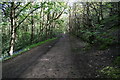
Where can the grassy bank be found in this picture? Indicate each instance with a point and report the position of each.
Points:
(28, 48)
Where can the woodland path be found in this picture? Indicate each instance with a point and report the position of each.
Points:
(61, 58)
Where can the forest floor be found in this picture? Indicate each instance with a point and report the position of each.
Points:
(63, 58)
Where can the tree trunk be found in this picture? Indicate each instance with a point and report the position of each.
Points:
(118, 8)
(69, 29)
(41, 24)
(32, 28)
(101, 10)
(111, 9)
(13, 28)
(47, 26)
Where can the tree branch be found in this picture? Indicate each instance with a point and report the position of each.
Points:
(27, 16)
(17, 5)
(93, 7)
(59, 15)
(22, 9)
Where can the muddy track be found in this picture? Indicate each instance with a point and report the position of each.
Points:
(13, 68)
(63, 58)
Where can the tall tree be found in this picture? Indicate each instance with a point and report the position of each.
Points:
(13, 28)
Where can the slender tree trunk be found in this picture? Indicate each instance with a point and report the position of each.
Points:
(13, 28)
(43, 22)
(47, 26)
(32, 28)
(119, 9)
(89, 20)
(75, 18)
(41, 25)
(83, 17)
(101, 10)
(32, 25)
(70, 21)
(111, 9)
(98, 18)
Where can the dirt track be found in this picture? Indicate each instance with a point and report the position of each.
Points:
(57, 59)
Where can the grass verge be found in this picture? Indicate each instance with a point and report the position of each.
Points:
(28, 48)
